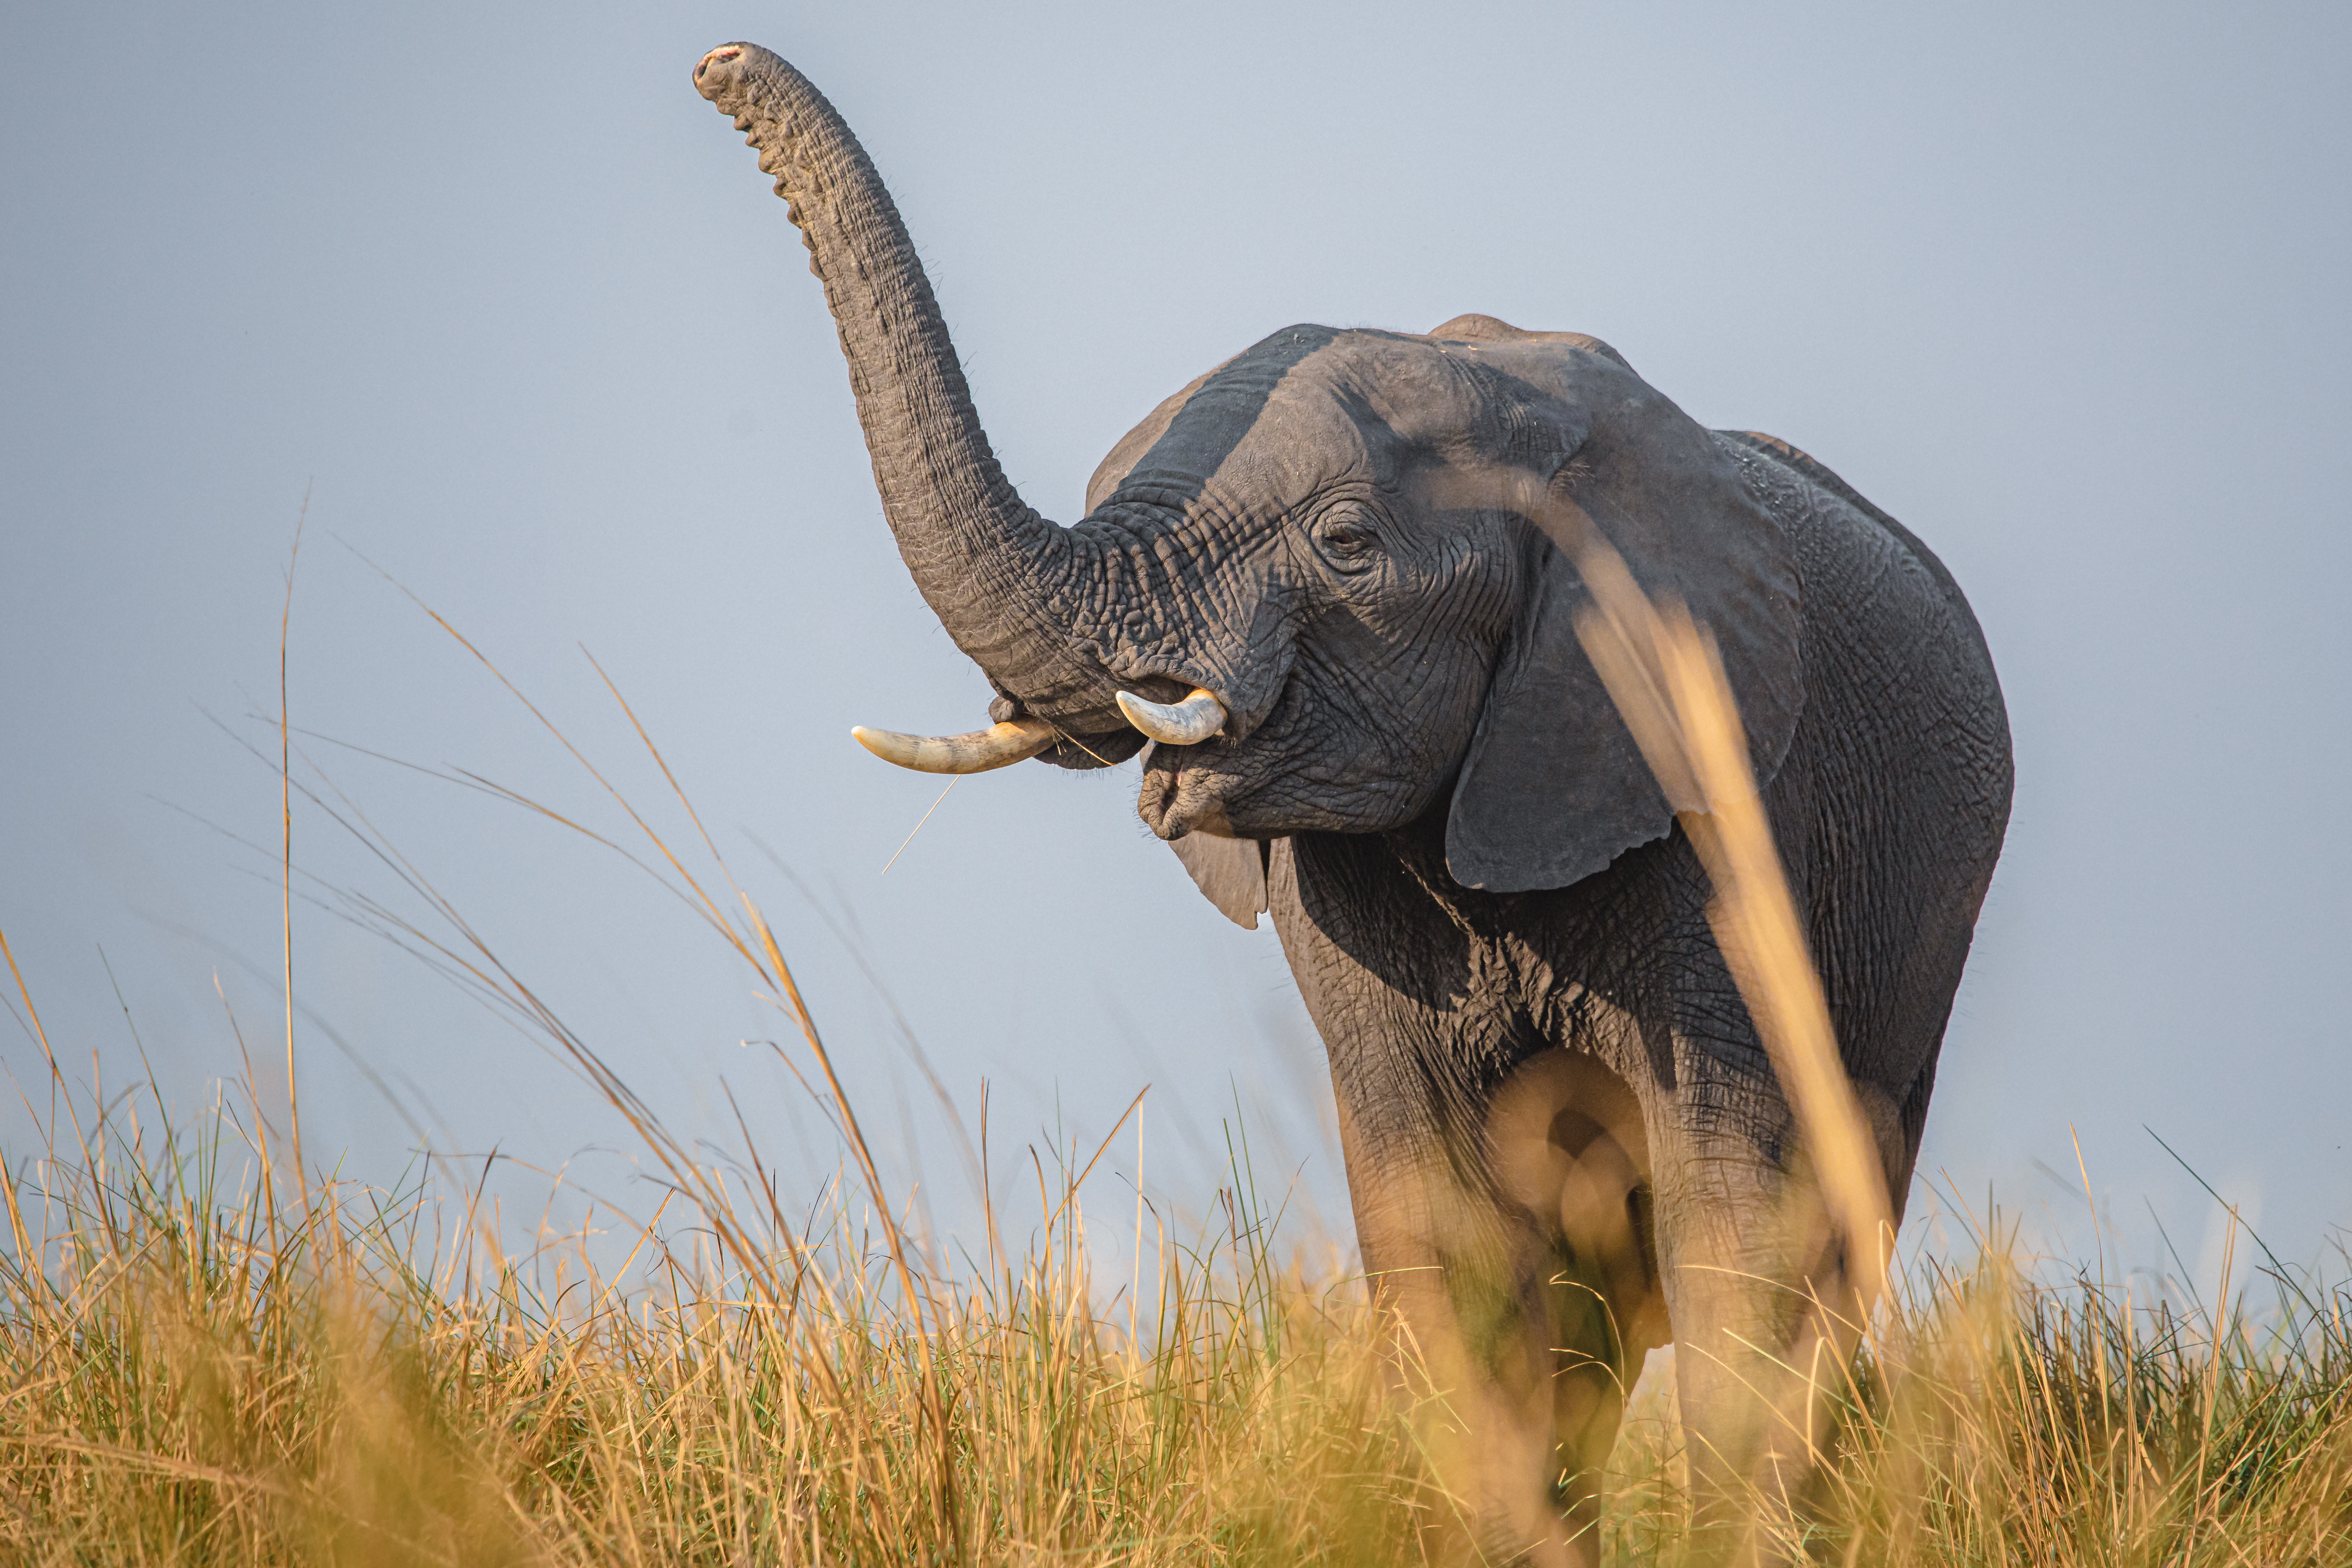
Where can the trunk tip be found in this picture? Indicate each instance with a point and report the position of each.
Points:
(724, 67)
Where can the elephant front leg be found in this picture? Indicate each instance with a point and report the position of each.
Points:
(1571, 1167)
(1766, 1318)
(1523, 1276)
(1519, 1308)
(1474, 1340)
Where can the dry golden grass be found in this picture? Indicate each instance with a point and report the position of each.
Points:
(189, 1374)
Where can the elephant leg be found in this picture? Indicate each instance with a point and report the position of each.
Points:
(1498, 1195)
(1411, 1025)
(1571, 1157)
(1462, 1278)
(1766, 1318)
(1466, 1282)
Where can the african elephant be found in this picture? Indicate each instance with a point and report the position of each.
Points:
(1315, 583)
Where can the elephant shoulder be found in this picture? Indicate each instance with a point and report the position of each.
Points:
(1897, 635)
(1807, 470)
(1807, 496)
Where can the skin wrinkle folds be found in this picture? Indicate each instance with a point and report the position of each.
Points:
(1370, 548)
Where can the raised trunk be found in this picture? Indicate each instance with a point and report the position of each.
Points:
(1002, 579)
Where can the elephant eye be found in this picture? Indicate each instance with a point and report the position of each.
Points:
(1348, 542)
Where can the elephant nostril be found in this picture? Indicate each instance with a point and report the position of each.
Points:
(724, 53)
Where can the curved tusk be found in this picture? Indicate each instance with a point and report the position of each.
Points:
(999, 745)
(1185, 724)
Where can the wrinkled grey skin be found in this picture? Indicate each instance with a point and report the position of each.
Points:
(1563, 1140)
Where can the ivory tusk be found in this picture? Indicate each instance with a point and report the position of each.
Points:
(999, 745)
(1185, 724)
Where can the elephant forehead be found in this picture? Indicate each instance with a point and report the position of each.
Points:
(1301, 442)
(1255, 445)
(1306, 407)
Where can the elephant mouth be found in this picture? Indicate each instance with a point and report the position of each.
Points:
(1177, 799)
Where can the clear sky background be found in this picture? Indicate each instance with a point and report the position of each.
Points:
(514, 307)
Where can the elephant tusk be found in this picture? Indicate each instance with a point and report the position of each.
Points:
(999, 745)
(1184, 723)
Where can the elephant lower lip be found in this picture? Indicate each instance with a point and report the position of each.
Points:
(1173, 803)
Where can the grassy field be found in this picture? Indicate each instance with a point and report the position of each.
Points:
(198, 1365)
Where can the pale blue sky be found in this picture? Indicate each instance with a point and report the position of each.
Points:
(2065, 292)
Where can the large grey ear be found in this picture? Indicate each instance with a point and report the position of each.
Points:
(1553, 788)
(1231, 872)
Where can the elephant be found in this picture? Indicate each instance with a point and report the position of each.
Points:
(1321, 592)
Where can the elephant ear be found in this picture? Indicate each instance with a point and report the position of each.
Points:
(1229, 872)
(1553, 788)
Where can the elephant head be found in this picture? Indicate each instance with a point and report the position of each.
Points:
(1331, 580)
